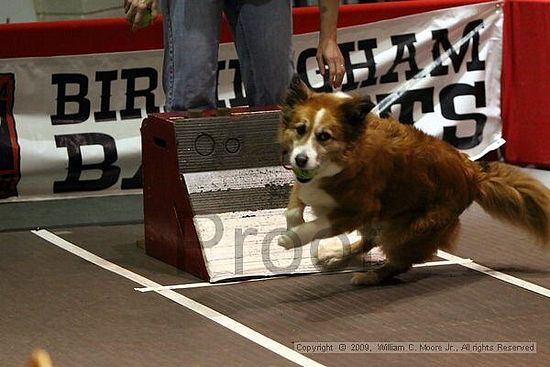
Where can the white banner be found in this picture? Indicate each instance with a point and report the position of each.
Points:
(70, 124)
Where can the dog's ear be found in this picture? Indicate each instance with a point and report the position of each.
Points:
(355, 110)
(297, 92)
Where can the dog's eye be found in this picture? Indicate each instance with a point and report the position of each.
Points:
(323, 136)
(301, 129)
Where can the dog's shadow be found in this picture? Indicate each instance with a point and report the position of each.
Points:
(329, 296)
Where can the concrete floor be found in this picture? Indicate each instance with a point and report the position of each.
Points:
(89, 314)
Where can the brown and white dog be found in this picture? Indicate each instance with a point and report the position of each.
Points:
(402, 189)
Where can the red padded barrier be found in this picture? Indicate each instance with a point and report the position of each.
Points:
(115, 35)
(526, 62)
(525, 80)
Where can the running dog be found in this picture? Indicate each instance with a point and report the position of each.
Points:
(402, 189)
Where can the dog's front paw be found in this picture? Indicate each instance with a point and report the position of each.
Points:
(294, 217)
(288, 240)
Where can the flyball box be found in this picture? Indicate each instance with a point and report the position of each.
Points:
(215, 193)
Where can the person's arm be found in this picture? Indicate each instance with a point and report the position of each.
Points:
(328, 53)
(135, 10)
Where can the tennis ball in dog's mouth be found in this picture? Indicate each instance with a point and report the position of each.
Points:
(146, 19)
(304, 175)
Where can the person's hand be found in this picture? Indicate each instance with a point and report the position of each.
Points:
(329, 56)
(328, 53)
(136, 10)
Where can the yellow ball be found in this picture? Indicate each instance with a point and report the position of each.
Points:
(304, 174)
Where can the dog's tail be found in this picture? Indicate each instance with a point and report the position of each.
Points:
(507, 193)
(39, 358)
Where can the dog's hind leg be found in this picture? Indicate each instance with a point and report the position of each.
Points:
(338, 255)
(373, 277)
(404, 248)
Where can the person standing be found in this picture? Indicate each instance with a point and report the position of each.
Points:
(262, 32)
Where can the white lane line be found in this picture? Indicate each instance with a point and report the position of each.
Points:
(497, 274)
(206, 284)
(202, 284)
(188, 303)
(443, 262)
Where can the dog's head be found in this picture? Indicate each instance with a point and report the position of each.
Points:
(318, 129)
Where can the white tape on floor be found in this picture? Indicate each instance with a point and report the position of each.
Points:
(497, 274)
(206, 284)
(188, 303)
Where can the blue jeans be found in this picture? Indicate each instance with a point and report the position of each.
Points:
(262, 30)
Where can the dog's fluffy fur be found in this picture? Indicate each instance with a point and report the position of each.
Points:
(402, 189)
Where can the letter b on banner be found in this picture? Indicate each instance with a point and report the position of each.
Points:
(109, 172)
(78, 99)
